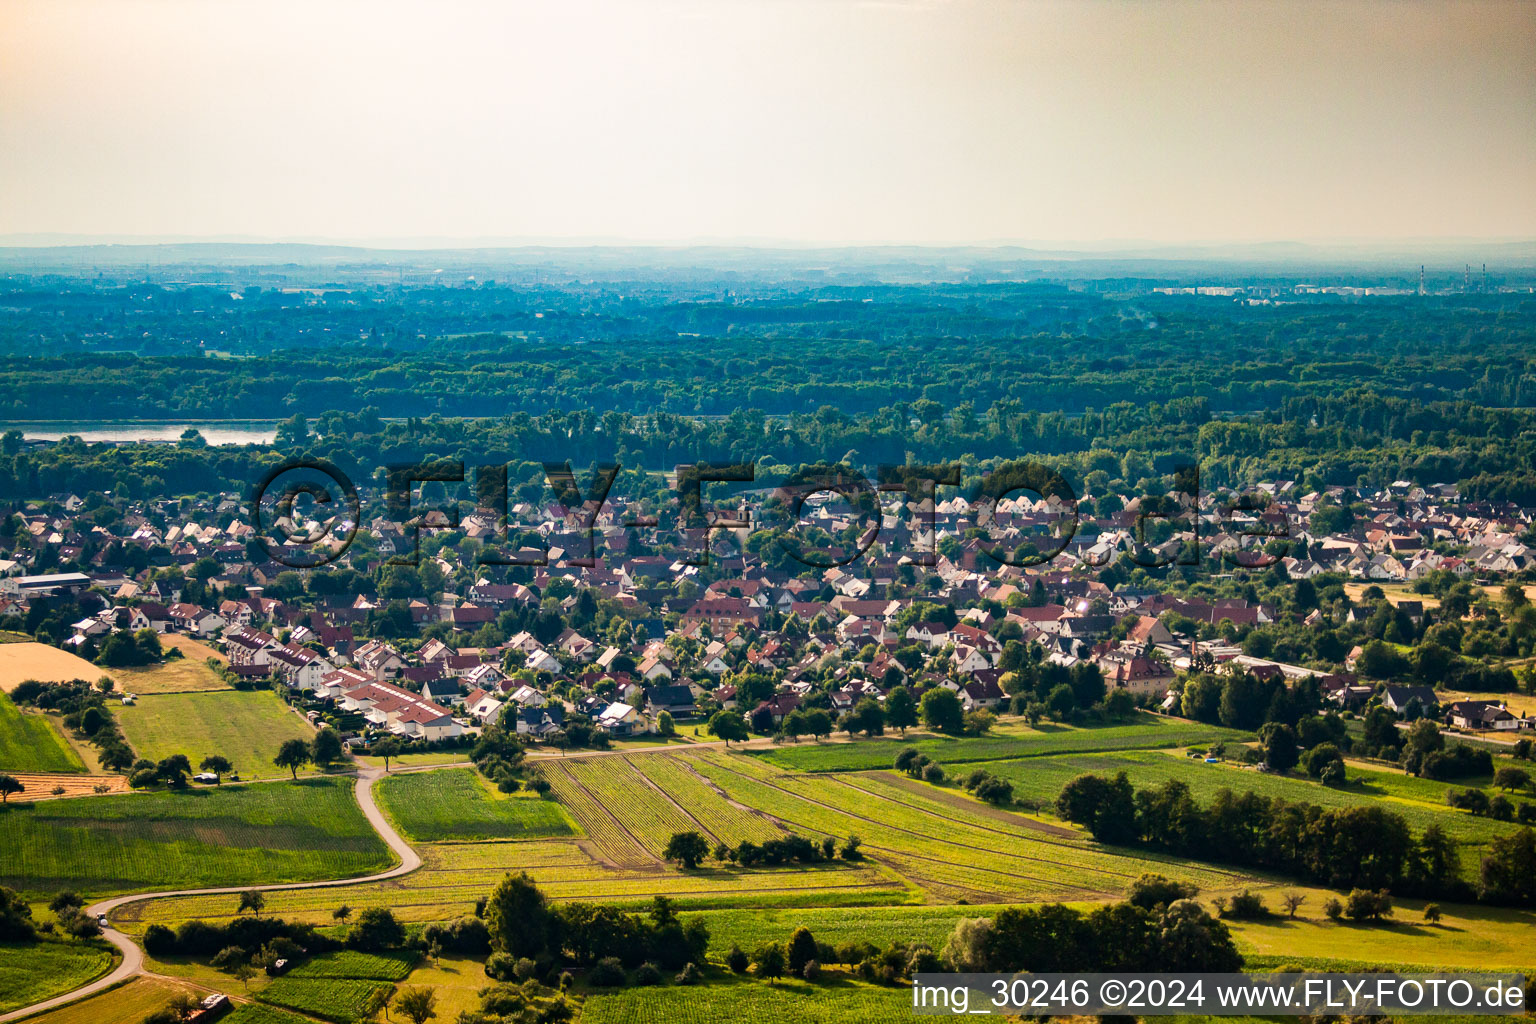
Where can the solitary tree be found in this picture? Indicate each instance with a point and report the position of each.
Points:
(341, 913)
(728, 725)
(687, 848)
(293, 755)
(253, 901)
(942, 710)
(770, 962)
(900, 709)
(217, 764)
(419, 1004)
(1511, 778)
(386, 748)
(244, 973)
(325, 748)
(9, 785)
(1292, 902)
(1279, 747)
(377, 1000)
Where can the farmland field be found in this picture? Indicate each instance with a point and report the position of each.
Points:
(737, 999)
(178, 675)
(953, 853)
(644, 810)
(457, 982)
(1467, 937)
(836, 925)
(32, 660)
(1518, 703)
(335, 999)
(36, 971)
(431, 757)
(128, 1003)
(461, 805)
(258, 1013)
(233, 835)
(348, 963)
(1043, 778)
(453, 876)
(1010, 741)
(246, 726)
(719, 819)
(33, 743)
(41, 786)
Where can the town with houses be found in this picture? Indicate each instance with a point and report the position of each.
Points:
(634, 642)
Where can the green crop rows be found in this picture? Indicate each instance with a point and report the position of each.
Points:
(335, 999)
(720, 820)
(453, 876)
(232, 835)
(256, 1013)
(952, 855)
(458, 805)
(349, 963)
(35, 971)
(594, 819)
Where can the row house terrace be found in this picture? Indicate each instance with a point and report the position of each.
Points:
(401, 712)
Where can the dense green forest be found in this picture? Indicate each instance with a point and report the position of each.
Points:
(1104, 385)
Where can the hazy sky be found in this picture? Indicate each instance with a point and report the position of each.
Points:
(808, 120)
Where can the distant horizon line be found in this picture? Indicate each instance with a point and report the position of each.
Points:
(65, 240)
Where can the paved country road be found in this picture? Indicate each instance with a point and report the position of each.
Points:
(133, 957)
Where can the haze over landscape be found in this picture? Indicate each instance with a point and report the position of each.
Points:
(751, 510)
(802, 121)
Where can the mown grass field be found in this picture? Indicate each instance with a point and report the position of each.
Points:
(1466, 938)
(246, 726)
(460, 805)
(33, 972)
(233, 835)
(32, 660)
(177, 675)
(128, 1003)
(1008, 741)
(750, 1002)
(334, 999)
(33, 743)
(457, 982)
(434, 757)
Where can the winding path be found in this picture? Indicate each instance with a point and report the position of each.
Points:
(133, 956)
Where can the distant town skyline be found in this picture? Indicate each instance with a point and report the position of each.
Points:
(817, 122)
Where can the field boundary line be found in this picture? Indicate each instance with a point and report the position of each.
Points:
(133, 957)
